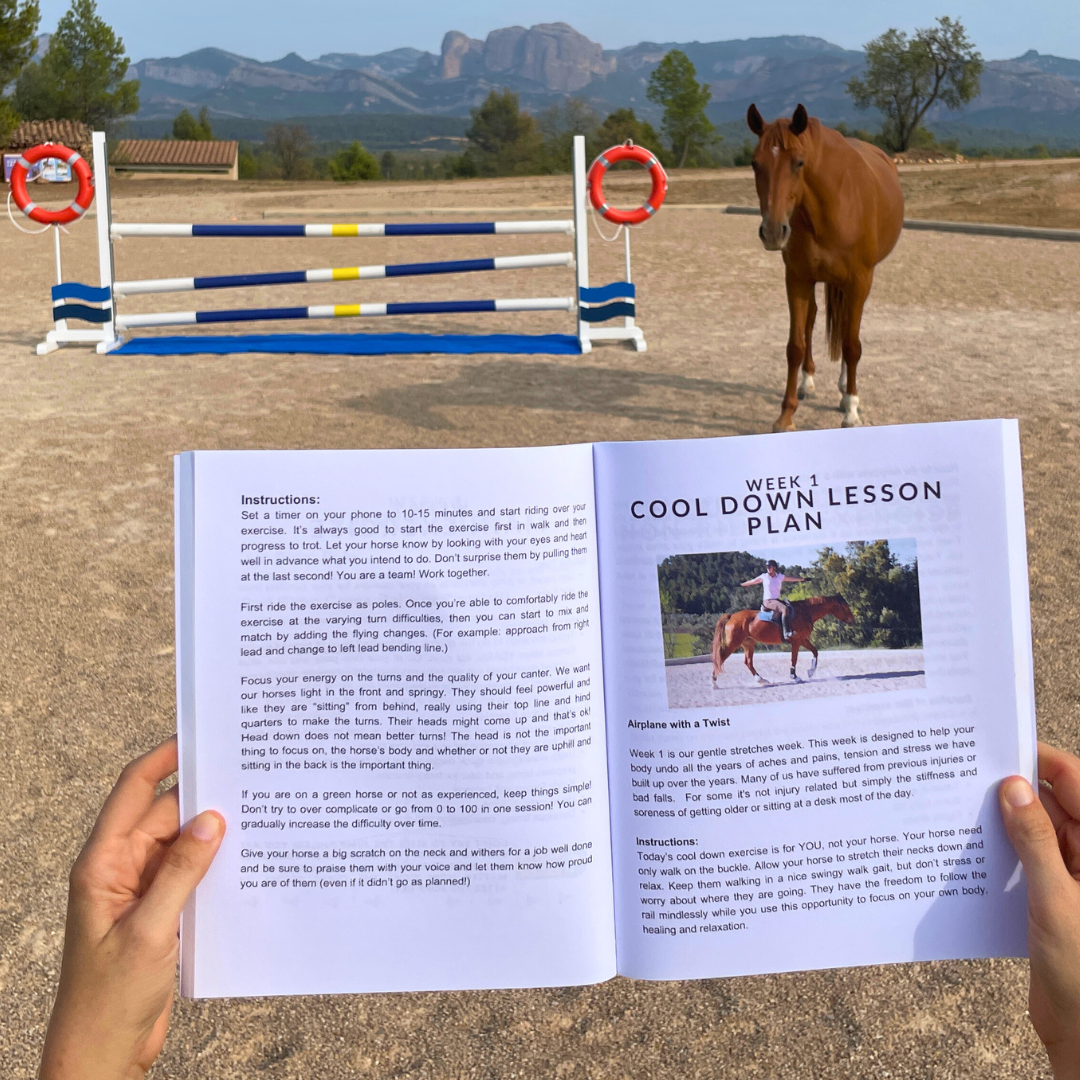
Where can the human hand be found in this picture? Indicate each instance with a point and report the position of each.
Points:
(127, 889)
(1046, 834)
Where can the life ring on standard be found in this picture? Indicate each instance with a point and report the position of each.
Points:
(78, 166)
(627, 152)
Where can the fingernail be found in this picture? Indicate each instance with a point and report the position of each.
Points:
(1018, 793)
(206, 827)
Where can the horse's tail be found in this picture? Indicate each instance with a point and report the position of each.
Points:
(834, 319)
(718, 642)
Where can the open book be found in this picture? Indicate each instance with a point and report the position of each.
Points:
(515, 717)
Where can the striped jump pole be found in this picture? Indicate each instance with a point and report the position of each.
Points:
(349, 273)
(339, 311)
(589, 306)
(462, 228)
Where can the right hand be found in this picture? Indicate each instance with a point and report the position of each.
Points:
(1045, 831)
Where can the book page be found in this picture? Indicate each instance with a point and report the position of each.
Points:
(390, 685)
(829, 800)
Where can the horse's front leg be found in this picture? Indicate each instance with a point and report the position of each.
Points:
(806, 386)
(800, 296)
(851, 349)
(813, 663)
(794, 658)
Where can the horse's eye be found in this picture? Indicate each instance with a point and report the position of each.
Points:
(799, 163)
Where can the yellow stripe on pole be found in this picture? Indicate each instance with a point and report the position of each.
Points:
(347, 273)
(343, 230)
(341, 310)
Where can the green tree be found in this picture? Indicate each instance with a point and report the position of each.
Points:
(905, 76)
(883, 595)
(354, 163)
(185, 126)
(558, 124)
(387, 164)
(622, 124)
(673, 85)
(81, 76)
(18, 30)
(247, 163)
(290, 145)
(503, 141)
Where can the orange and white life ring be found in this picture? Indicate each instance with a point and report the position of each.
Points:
(78, 166)
(627, 152)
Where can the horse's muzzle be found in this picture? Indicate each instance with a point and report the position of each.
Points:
(774, 234)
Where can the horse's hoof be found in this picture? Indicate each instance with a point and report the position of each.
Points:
(806, 387)
(762, 682)
(851, 419)
(782, 425)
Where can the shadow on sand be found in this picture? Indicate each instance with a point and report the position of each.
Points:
(563, 387)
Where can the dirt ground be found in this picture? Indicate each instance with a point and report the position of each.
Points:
(839, 671)
(957, 327)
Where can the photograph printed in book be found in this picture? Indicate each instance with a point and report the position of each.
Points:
(810, 621)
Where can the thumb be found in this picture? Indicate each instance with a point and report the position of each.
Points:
(1033, 836)
(180, 871)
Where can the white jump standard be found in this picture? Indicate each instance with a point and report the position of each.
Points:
(98, 304)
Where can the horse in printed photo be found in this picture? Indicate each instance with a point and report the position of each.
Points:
(834, 208)
(745, 628)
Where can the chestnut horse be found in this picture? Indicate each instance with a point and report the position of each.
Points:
(834, 207)
(744, 628)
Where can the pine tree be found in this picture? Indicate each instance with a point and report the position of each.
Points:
(674, 86)
(81, 76)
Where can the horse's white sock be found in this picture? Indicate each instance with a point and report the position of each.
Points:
(850, 405)
(806, 387)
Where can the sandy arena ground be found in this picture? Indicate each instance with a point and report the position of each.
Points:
(957, 327)
(840, 671)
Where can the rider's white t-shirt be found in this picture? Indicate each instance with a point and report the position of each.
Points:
(771, 585)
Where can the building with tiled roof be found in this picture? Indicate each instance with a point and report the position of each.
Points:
(73, 134)
(175, 157)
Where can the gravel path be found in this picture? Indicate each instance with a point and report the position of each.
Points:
(847, 671)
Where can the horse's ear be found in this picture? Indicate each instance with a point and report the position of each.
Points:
(799, 120)
(754, 120)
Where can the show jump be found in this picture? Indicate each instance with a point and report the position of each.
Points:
(102, 305)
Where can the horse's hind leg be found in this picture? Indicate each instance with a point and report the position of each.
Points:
(748, 657)
(794, 658)
(806, 387)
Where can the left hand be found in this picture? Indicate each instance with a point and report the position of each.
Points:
(127, 889)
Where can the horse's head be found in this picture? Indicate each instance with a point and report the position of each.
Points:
(779, 165)
(839, 609)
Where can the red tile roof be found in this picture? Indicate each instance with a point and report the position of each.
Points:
(71, 133)
(171, 152)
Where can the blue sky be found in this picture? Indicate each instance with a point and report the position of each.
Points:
(267, 29)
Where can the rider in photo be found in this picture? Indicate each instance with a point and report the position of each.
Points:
(772, 581)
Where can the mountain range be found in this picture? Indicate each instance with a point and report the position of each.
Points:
(1032, 95)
